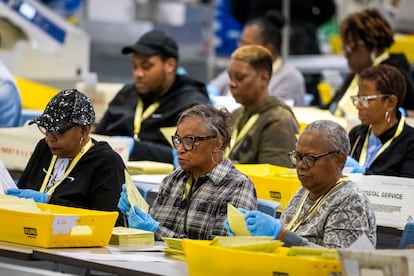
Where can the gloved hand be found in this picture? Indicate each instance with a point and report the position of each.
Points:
(261, 224)
(175, 158)
(129, 138)
(227, 227)
(123, 203)
(140, 220)
(351, 162)
(28, 193)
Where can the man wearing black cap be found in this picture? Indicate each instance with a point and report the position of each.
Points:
(155, 99)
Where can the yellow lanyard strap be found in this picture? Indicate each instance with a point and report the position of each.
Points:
(294, 223)
(363, 156)
(188, 185)
(238, 136)
(141, 115)
(75, 160)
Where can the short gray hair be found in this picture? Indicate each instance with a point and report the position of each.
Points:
(218, 120)
(334, 134)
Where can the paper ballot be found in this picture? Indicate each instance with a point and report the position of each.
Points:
(6, 180)
(134, 196)
(236, 221)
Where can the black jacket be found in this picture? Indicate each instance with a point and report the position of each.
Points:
(397, 60)
(118, 119)
(94, 183)
(395, 160)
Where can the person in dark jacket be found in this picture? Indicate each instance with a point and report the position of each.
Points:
(154, 101)
(366, 38)
(383, 143)
(68, 167)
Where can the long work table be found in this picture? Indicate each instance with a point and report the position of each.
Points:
(113, 260)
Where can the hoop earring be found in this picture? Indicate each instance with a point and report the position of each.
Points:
(388, 116)
(372, 55)
(214, 161)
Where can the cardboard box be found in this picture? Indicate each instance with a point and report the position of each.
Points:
(272, 182)
(377, 262)
(17, 145)
(57, 226)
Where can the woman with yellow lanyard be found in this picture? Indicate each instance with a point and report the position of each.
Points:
(265, 127)
(328, 210)
(68, 167)
(383, 143)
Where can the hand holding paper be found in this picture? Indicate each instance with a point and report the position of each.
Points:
(140, 220)
(28, 193)
(261, 224)
(123, 203)
(236, 221)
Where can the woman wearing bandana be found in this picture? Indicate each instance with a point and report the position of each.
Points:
(68, 167)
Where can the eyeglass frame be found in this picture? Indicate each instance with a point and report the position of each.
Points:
(177, 141)
(302, 157)
(56, 134)
(364, 100)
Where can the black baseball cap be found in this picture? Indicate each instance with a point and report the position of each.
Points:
(154, 43)
(67, 108)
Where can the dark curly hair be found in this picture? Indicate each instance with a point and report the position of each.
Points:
(368, 26)
(388, 80)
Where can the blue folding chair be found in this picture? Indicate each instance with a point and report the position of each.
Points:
(407, 235)
(144, 189)
(267, 206)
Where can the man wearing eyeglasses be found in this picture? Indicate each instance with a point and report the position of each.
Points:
(328, 210)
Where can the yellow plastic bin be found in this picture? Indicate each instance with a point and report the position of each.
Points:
(204, 259)
(272, 182)
(57, 226)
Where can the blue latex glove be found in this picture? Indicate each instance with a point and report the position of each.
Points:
(261, 224)
(227, 227)
(129, 138)
(123, 203)
(175, 158)
(28, 193)
(351, 162)
(140, 220)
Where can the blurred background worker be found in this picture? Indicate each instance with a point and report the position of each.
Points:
(305, 19)
(286, 82)
(155, 99)
(366, 37)
(10, 102)
(265, 128)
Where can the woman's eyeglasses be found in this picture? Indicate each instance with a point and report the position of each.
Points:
(58, 133)
(308, 159)
(188, 141)
(364, 100)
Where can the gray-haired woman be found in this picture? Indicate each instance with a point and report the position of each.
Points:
(328, 210)
(192, 201)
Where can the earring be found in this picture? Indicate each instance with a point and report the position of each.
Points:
(372, 56)
(81, 141)
(388, 116)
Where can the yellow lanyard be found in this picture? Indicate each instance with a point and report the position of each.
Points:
(141, 115)
(295, 223)
(237, 136)
(75, 160)
(277, 64)
(363, 156)
(188, 185)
